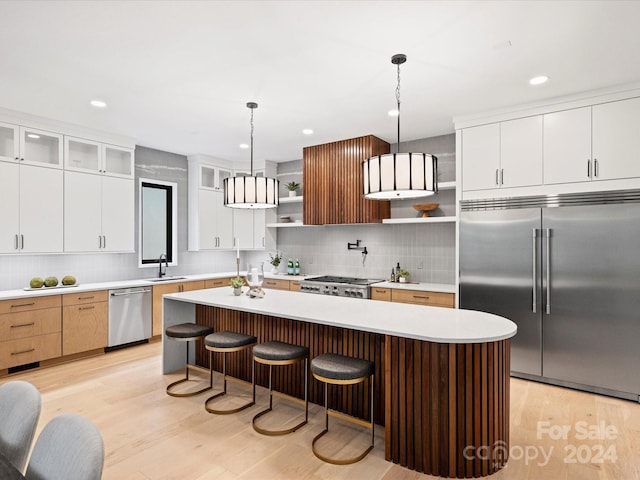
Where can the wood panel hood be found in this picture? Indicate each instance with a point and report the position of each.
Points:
(332, 178)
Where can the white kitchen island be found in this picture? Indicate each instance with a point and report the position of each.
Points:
(444, 393)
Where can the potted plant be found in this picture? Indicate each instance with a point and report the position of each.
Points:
(292, 187)
(275, 261)
(402, 275)
(237, 283)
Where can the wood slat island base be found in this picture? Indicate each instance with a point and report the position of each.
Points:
(444, 405)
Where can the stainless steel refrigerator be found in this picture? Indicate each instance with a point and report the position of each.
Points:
(566, 270)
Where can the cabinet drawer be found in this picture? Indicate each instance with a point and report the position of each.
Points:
(188, 286)
(29, 303)
(378, 293)
(418, 297)
(28, 324)
(216, 282)
(28, 350)
(85, 297)
(276, 283)
(294, 285)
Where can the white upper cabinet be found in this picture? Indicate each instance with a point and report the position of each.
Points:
(9, 143)
(481, 157)
(99, 213)
(93, 157)
(214, 221)
(616, 140)
(506, 154)
(10, 211)
(31, 216)
(567, 146)
(30, 146)
(521, 152)
(212, 177)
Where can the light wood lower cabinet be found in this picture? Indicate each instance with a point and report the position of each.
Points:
(85, 321)
(276, 283)
(160, 290)
(416, 297)
(378, 293)
(217, 282)
(30, 330)
(294, 285)
(419, 297)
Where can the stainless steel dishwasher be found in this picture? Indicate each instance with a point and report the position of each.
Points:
(129, 315)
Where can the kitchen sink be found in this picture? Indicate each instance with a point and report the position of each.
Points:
(164, 279)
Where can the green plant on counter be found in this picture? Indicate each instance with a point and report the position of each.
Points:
(236, 282)
(402, 273)
(292, 186)
(275, 259)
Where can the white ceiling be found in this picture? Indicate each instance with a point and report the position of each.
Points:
(177, 74)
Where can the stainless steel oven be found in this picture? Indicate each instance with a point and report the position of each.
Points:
(339, 286)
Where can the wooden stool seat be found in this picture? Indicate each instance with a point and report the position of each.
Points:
(187, 332)
(279, 353)
(227, 342)
(334, 369)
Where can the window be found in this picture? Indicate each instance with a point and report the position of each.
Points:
(158, 224)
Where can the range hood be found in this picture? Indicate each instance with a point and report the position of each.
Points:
(332, 178)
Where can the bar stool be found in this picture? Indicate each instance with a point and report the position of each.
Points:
(227, 342)
(186, 332)
(279, 353)
(331, 368)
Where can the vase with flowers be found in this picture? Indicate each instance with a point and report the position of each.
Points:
(274, 260)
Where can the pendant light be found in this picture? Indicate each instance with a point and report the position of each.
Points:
(251, 191)
(399, 175)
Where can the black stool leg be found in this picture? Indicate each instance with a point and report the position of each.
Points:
(346, 461)
(267, 410)
(224, 389)
(186, 379)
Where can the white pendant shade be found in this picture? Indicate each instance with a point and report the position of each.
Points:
(399, 175)
(251, 192)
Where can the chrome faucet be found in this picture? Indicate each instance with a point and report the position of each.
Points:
(166, 265)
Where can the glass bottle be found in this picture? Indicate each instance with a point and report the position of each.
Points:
(296, 269)
(290, 267)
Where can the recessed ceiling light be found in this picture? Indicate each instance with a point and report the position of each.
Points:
(307, 131)
(538, 80)
(32, 135)
(244, 145)
(98, 103)
(393, 113)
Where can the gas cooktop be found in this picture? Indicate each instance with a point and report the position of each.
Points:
(347, 280)
(339, 286)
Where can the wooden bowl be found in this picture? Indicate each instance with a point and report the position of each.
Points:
(425, 208)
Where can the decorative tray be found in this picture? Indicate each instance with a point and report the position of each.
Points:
(51, 288)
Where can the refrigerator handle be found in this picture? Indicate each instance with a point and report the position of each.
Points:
(534, 279)
(548, 309)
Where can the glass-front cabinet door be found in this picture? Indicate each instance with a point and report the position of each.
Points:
(9, 145)
(118, 161)
(38, 147)
(81, 155)
(212, 178)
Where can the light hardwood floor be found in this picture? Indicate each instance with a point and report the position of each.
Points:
(150, 435)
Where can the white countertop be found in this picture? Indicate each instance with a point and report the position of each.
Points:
(434, 324)
(143, 282)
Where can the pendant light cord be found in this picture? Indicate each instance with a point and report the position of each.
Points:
(251, 141)
(398, 103)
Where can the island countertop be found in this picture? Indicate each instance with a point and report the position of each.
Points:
(433, 324)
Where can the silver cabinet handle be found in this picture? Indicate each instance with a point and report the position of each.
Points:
(502, 176)
(23, 351)
(99, 241)
(21, 242)
(17, 243)
(119, 294)
(104, 241)
(595, 167)
(497, 177)
(548, 309)
(535, 276)
(588, 168)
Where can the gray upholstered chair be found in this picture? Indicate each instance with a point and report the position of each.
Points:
(20, 405)
(69, 447)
